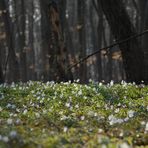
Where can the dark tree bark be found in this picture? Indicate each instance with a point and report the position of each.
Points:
(59, 59)
(145, 39)
(142, 5)
(20, 24)
(66, 38)
(45, 33)
(110, 62)
(97, 40)
(12, 60)
(1, 70)
(122, 28)
(2, 53)
(1, 75)
(30, 55)
(82, 39)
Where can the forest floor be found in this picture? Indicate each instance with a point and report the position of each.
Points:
(67, 115)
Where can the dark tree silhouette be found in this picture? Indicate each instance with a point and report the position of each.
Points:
(11, 57)
(121, 27)
(58, 50)
(1, 75)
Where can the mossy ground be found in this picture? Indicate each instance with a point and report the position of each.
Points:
(44, 115)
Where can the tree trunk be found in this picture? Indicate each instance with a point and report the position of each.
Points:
(82, 39)
(30, 59)
(20, 42)
(45, 33)
(1, 74)
(98, 38)
(58, 60)
(2, 48)
(122, 28)
(142, 9)
(12, 60)
(145, 40)
(110, 61)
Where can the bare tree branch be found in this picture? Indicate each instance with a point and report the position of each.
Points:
(107, 48)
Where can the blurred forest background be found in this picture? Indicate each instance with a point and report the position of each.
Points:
(40, 39)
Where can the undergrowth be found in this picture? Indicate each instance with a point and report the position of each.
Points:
(56, 115)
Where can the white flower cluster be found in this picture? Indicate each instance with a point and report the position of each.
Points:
(113, 120)
(6, 139)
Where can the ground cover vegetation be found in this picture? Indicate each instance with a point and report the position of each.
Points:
(38, 115)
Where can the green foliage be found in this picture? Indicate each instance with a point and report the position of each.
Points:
(37, 114)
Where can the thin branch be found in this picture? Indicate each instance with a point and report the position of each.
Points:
(107, 48)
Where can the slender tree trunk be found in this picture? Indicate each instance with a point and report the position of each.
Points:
(64, 32)
(37, 41)
(2, 48)
(59, 61)
(20, 24)
(122, 28)
(12, 60)
(99, 45)
(45, 30)
(1, 73)
(104, 57)
(94, 39)
(110, 59)
(82, 39)
(145, 40)
(142, 9)
(97, 41)
(30, 59)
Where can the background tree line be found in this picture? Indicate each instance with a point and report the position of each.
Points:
(40, 39)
